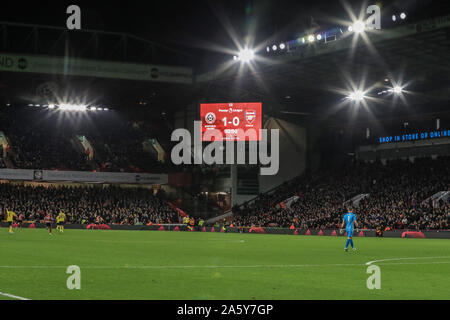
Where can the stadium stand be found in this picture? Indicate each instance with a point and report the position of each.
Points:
(42, 150)
(82, 204)
(43, 139)
(396, 190)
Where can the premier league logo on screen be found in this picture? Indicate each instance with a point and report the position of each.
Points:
(210, 118)
(250, 116)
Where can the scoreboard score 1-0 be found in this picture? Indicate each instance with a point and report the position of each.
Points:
(232, 120)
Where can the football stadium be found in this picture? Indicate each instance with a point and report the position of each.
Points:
(218, 150)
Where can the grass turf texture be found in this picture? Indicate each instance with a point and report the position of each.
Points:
(172, 265)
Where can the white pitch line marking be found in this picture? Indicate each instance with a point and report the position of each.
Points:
(398, 259)
(146, 241)
(218, 267)
(13, 296)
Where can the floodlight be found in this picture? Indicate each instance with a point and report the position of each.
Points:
(357, 95)
(403, 16)
(282, 46)
(274, 48)
(397, 89)
(72, 107)
(311, 38)
(359, 26)
(246, 55)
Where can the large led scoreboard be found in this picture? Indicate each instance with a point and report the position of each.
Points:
(235, 121)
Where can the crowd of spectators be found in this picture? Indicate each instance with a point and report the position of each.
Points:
(396, 191)
(41, 150)
(122, 149)
(46, 139)
(83, 204)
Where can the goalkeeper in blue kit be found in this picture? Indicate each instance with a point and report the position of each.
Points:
(349, 220)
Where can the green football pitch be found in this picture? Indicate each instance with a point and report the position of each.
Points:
(197, 265)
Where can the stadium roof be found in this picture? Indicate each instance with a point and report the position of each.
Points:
(311, 81)
(316, 78)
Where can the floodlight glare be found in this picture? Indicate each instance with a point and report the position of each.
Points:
(274, 48)
(403, 16)
(397, 89)
(268, 49)
(350, 28)
(235, 58)
(282, 46)
(319, 36)
(357, 95)
(310, 38)
(394, 18)
(72, 107)
(246, 55)
(303, 40)
(51, 106)
(359, 26)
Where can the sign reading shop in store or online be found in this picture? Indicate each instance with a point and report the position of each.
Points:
(232, 120)
(424, 135)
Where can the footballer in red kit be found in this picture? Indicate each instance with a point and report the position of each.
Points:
(20, 220)
(48, 222)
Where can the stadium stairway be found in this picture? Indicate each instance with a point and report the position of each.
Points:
(356, 199)
(8, 151)
(438, 196)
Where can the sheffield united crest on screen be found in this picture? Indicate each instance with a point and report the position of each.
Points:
(210, 118)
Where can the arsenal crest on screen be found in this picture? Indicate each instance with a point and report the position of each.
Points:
(250, 116)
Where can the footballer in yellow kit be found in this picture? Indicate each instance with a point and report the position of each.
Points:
(60, 220)
(9, 219)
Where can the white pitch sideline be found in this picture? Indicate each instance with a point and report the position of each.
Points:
(13, 296)
(229, 266)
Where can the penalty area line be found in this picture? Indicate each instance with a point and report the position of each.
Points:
(398, 259)
(12, 296)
